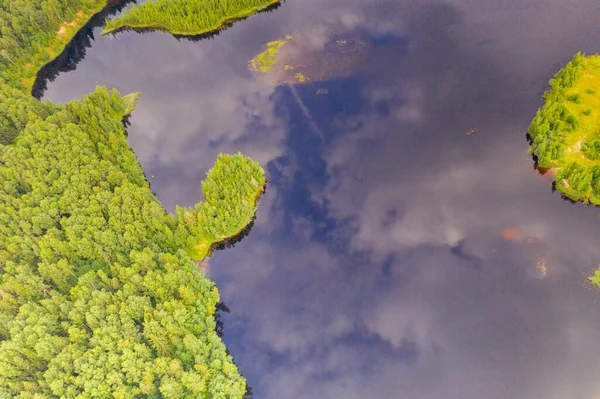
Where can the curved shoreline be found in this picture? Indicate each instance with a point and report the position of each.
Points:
(64, 39)
(73, 50)
(204, 250)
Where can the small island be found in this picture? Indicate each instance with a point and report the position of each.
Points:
(186, 17)
(565, 133)
(294, 59)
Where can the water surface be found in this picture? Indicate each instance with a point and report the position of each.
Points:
(393, 255)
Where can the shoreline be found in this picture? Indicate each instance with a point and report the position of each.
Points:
(222, 24)
(204, 250)
(63, 39)
(35, 84)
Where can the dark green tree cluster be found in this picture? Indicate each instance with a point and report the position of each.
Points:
(576, 98)
(17, 109)
(98, 297)
(592, 149)
(29, 34)
(579, 183)
(575, 181)
(186, 17)
(552, 123)
(231, 191)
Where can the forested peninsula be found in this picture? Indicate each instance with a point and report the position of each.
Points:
(186, 17)
(100, 296)
(565, 133)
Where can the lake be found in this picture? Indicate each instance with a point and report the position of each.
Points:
(394, 255)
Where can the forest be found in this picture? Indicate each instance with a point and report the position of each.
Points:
(231, 191)
(565, 133)
(32, 33)
(186, 17)
(100, 296)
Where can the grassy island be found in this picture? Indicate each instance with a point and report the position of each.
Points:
(265, 60)
(99, 293)
(565, 133)
(186, 17)
(294, 59)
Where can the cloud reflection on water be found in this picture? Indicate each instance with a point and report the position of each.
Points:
(377, 267)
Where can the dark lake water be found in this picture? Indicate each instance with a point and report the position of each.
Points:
(393, 255)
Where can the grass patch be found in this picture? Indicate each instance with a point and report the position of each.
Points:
(578, 104)
(130, 101)
(265, 60)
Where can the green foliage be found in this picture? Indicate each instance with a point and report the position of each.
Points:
(592, 150)
(32, 33)
(576, 98)
(567, 76)
(549, 128)
(561, 140)
(301, 78)
(130, 102)
(231, 191)
(265, 60)
(575, 181)
(595, 279)
(97, 296)
(186, 17)
(17, 109)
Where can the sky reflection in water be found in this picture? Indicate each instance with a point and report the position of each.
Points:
(393, 255)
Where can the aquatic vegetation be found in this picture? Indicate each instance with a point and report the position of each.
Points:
(565, 133)
(99, 296)
(301, 78)
(265, 60)
(186, 17)
(295, 59)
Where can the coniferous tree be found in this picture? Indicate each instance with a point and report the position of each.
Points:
(186, 17)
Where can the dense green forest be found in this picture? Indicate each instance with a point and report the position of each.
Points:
(565, 133)
(99, 293)
(186, 17)
(231, 191)
(32, 33)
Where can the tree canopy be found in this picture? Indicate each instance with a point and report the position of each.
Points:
(32, 33)
(186, 17)
(565, 133)
(98, 296)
